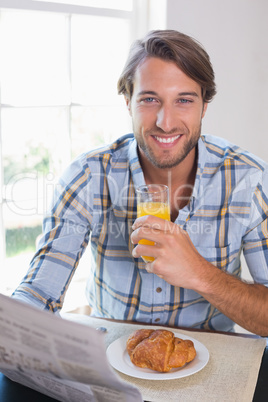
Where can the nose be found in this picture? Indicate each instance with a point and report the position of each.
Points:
(166, 119)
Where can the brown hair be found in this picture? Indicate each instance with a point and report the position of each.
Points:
(186, 52)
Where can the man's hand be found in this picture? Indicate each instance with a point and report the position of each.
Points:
(176, 259)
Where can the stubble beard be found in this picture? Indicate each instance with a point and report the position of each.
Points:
(168, 162)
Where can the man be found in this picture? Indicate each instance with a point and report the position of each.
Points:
(218, 207)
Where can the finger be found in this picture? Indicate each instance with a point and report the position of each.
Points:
(149, 268)
(150, 220)
(152, 227)
(146, 233)
(144, 249)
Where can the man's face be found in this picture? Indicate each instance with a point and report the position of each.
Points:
(166, 109)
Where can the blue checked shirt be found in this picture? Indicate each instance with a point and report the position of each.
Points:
(95, 201)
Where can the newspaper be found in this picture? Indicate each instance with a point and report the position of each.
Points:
(59, 358)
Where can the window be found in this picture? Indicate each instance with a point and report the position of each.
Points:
(59, 69)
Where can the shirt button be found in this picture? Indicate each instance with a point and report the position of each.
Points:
(157, 320)
(159, 290)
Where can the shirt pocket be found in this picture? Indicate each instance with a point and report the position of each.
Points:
(226, 258)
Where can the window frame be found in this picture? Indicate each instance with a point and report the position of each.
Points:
(139, 13)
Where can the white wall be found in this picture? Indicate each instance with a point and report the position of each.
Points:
(235, 34)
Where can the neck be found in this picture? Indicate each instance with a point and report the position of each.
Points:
(180, 179)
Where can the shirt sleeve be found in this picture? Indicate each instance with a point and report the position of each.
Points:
(66, 230)
(255, 242)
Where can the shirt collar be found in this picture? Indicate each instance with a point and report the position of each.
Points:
(201, 162)
(134, 164)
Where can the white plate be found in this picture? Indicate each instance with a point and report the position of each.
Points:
(118, 358)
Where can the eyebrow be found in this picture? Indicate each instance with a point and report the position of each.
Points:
(147, 93)
(188, 93)
(193, 93)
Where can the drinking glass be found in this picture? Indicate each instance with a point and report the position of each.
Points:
(152, 199)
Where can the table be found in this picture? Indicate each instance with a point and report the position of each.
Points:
(13, 392)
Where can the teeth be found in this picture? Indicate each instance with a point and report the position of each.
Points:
(167, 140)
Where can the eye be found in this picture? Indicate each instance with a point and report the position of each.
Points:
(184, 100)
(148, 100)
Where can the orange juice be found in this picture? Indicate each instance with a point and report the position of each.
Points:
(159, 209)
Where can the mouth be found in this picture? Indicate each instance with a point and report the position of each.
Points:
(167, 140)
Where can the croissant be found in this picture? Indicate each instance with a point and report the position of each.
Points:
(159, 350)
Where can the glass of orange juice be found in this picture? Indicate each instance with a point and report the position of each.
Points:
(152, 199)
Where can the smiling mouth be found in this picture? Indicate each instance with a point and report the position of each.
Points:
(168, 140)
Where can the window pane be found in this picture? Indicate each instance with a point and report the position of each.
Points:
(34, 65)
(99, 50)
(96, 125)
(35, 140)
(36, 148)
(16, 265)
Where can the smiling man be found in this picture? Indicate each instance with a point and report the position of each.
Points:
(219, 207)
(166, 108)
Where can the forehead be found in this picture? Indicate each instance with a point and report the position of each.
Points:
(156, 74)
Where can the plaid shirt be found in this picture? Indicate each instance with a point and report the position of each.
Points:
(95, 201)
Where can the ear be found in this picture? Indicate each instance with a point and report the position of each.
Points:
(204, 109)
(128, 103)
